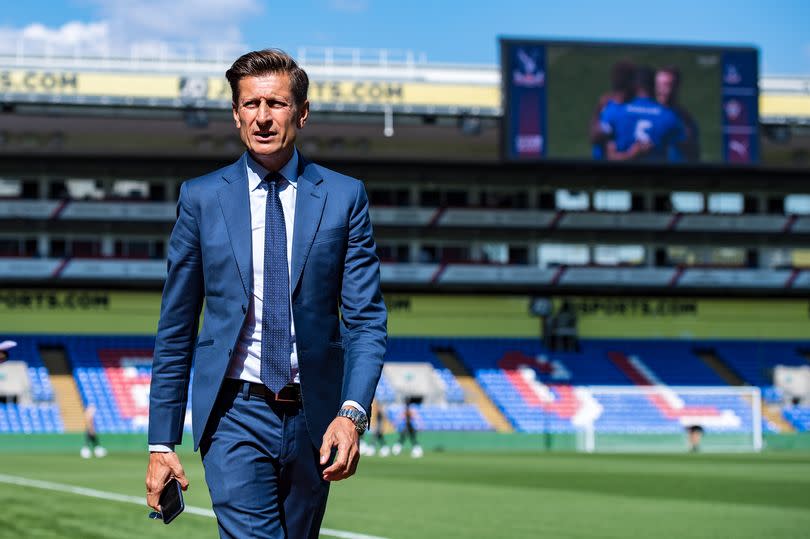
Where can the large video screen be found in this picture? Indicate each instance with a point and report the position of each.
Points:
(629, 103)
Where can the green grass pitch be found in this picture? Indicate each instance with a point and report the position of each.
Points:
(447, 495)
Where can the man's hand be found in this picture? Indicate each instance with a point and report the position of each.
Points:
(341, 434)
(640, 148)
(162, 467)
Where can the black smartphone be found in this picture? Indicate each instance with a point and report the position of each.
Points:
(171, 501)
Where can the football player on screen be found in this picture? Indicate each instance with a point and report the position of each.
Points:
(622, 90)
(642, 130)
(667, 90)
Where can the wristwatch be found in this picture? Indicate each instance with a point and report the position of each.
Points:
(358, 418)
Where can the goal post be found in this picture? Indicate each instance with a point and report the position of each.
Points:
(670, 419)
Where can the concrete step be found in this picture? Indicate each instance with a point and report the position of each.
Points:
(773, 413)
(69, 401)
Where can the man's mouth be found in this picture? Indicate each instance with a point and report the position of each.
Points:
(264, 136)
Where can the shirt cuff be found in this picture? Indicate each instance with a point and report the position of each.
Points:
(355, 405)
(160, 448)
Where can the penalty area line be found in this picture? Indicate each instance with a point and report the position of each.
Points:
(137, 500)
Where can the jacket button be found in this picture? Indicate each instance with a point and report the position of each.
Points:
(229, 352)
(244, 309)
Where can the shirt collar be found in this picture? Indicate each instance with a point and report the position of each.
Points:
(256, 172)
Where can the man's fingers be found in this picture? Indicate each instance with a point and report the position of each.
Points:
(338, 468)
(355, 460)
(153, 497)
(341, 459)
(326, 448)
(179, 474)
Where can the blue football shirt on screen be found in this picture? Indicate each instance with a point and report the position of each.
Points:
(644, 120)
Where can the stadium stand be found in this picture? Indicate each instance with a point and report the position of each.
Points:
(799, 417)
(537, 390)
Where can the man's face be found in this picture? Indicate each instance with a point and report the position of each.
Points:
(664, 87)
(267, 116)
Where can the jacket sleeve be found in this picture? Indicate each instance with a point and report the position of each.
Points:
(180, 308)
(363, 309)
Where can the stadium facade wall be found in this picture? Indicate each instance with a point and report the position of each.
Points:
(115, 312)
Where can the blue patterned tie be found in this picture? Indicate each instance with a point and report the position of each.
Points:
(275, 366)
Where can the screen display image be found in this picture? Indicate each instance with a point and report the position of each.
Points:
(629, 103)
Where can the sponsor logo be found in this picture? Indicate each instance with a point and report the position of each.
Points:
(529, 144)
(732, 75)
(738, 147)
(528, 74)
(733, 109)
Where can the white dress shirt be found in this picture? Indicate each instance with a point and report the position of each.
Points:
(246, 361)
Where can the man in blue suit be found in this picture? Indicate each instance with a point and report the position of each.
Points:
(280, 252)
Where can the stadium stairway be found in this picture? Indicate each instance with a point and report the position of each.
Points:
(715, 363)
(773, 413)
(70, 404)
(474, 392)
(65, 391)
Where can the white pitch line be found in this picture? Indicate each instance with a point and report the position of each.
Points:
(137, 500)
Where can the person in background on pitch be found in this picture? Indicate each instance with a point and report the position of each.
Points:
(694, 437)
(91, 445)
(281, 253)
(379, 438)
(377, 445)
(408, 430)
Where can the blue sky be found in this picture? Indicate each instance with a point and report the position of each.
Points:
(446, 31)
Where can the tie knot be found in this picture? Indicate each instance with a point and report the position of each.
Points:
(274, 178)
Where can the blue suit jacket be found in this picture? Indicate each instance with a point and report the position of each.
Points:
(334, 265)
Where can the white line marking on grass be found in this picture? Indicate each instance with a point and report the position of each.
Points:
(137, 500)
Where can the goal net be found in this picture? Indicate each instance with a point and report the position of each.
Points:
(670, 419)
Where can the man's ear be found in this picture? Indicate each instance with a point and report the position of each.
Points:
(236, 116)
(303, 114)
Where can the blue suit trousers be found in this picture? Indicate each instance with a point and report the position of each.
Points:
(262, 469)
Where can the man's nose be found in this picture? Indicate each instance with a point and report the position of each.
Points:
(264, 115)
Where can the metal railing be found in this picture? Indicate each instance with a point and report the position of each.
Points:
(170, 55)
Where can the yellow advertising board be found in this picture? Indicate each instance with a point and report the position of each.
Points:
(158, 86)
(98, 312)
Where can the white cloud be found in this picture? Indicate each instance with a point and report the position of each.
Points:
(350, 6)
(207, 28)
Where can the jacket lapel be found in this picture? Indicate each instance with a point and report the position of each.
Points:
(235, 204)
(309, 205)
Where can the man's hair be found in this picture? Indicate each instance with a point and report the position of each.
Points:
(645, 80)
(622, 77)
(265, 62)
